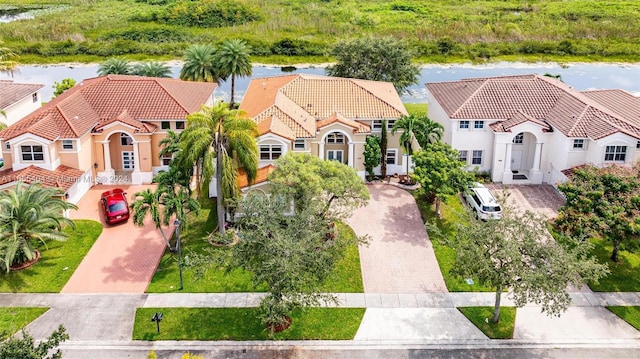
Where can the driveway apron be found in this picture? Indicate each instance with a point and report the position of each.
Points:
(399, 257)
(124, 257)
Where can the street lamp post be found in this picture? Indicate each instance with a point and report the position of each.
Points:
(176, 223)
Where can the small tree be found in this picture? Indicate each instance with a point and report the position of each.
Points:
(24, 346)
(293, 255)
(602, 201)
(518, 253)
(308, 180)
(62, 86)
(440, 172)
(373, 58)
(371, 154)
(383, 149)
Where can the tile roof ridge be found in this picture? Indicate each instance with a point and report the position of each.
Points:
(577, 119)
(169, 93)
(67, 120)
(366, 89)
(470, 97)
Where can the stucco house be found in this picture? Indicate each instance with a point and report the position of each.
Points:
(18, 100)
(329, 117)
(531, 128)
(103, 130)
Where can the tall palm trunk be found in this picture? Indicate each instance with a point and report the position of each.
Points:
(233, 91)
(219, 204)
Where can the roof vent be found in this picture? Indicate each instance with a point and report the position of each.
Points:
(264, 85)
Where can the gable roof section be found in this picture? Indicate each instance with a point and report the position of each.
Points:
(357, 126)
(300, 101)
(518, 118)
(11, 92)
(79, 109)
(277, 127)
(62, 177)
(125, 118)
(261, 176)
(547, 100)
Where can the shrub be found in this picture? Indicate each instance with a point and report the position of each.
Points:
(155, 34)
(209, 13)
(295, 47)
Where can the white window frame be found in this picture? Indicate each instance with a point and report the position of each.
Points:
(335, 138)
(392, 153)
(615, 151)
(335, 157)
(163, 123)
(34, 97)
(518, 139)
(464, 124)
(270, 154)
(7, 146)
(165, 160)
(463, 155)
(579, 144)
(32, 153)
(476, 154)
(180, 125)
(377, 124)
(68, 145)
(478, 125)
(298, 142)
(131, 160)
(638, 146)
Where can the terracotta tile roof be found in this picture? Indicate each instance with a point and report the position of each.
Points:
(124, 117)
(277, 127)
(263, 174)
(62, 177)
(518, 118)
(575, 114)
(11, 92)
(358, 127)
(301, 100)
(99, 99)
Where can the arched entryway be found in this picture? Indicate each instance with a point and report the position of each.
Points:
(121, 158)
(337, 145)
(522, 158)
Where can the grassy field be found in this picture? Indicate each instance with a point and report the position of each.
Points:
(347, 277)
(294, 31)
(59, 261)
(14, 319)
(244, 324)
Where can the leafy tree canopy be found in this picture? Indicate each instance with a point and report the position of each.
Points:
(62, 86)
(440, 172)
(24, 346)
(375, 58)
(372, 154)
(307, 179)
(602, 201)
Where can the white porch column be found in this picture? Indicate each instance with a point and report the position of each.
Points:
(352, 147)
(321, 150)
(107, 156)
(136, 157)
(536, 157)
(507, 158)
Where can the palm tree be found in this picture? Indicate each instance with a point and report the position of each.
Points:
(200, 64)
(116, 66)
(233, 60)
(147, 202)
(225, 135)
(6, 62)
(151, 69)
(416, 128)
(170, 145)
(30, 215)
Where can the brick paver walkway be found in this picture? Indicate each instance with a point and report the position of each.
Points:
(542, 198)
(399, 257)
(123, 259)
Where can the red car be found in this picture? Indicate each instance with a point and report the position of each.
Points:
(115, 206)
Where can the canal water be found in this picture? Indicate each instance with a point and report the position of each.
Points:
(581, 76)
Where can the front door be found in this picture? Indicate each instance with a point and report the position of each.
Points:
(516, 160)
(127, 160)
(335, 155)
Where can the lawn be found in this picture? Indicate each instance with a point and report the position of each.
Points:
(415, 108)
(58, 262)
(630, 315)
(453, 211)
(481, 318)
(244, 324)
(14, 319)
(346, 278)
(623, 276)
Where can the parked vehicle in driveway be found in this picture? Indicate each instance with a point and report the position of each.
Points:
(482, 202)
(115, 206)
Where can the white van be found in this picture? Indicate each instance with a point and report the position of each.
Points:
(482, 202)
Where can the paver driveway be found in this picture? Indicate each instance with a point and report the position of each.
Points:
(399, 257)
(123, 259)
(541, 198)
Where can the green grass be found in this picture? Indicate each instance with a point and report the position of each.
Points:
(58, 262)
(414, 108)
(453, 212)
(244, 324)
(14, 319)
(623, 276)
(630, 315)
(440, 31)
(346, 278)
(481, 318)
